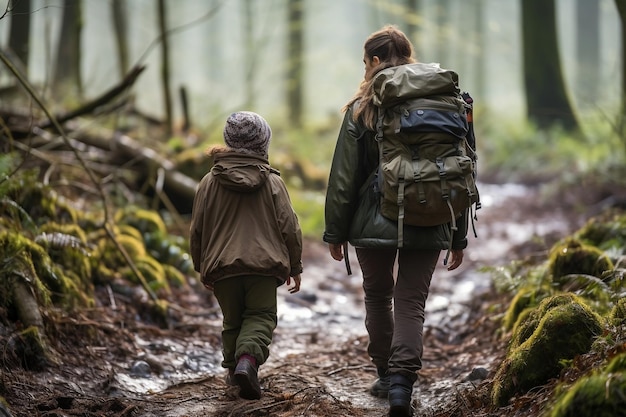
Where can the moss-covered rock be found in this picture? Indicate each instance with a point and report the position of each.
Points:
(573, 257)
(561, 328)
(530, 318)
(605, 233)
(525, 300)
(600, 394)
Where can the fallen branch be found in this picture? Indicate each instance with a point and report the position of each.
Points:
(105, 98)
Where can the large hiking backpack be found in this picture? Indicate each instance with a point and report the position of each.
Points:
(427, 169)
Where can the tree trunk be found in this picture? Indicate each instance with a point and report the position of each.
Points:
(479, 49)
(621, 8)
(165, 67)
(120, 27)
(19, 34)
(414, 12)
(588, 50)
(250, 52)
(295, 53)
(547, 102)
(67, 70)
(443, 26)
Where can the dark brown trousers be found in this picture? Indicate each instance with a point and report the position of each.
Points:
(394, 307)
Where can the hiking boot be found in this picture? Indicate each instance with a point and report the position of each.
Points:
(246, 377)
(400, 390)
(380, 387)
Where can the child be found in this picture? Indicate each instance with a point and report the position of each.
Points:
(245, 241)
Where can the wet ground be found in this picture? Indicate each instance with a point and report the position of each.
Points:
(114, 364)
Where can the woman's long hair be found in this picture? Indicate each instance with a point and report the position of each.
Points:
(393, 48)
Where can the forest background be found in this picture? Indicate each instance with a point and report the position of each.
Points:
(535, 68)
(107, 108)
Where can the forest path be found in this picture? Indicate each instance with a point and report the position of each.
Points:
(318, 364)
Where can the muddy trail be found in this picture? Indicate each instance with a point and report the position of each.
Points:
(113, 362)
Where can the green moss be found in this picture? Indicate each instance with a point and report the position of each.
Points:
(174, 276)
(146, 221)
(598, 395)
(20, 256)
(617, 364)
(560, 328)
(618, 313)
(605, 233)
(573, 257)
(152, 271)
(529, 320)
(525, 299)
(32, 348)
(126, 229)
(170, 250)
(44, 205)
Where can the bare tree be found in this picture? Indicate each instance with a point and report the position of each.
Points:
(444, 25)
(67, 74)
(414, 13)
(479, 47)
(165, 66)
(19, 34)
(120, 26)
(546, 99)
(248, 32)
(588, 49)
(295, 54)
(621, 8)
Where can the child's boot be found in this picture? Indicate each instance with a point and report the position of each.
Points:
(246, 377)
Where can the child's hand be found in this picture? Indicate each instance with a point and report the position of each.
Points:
(296, 284)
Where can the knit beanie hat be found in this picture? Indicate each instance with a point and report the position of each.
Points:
(248, 132)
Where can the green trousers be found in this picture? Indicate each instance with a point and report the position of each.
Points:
(248, 305)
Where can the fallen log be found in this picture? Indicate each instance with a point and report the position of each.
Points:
(126, 149)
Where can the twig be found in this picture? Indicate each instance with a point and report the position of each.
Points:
(346, 368)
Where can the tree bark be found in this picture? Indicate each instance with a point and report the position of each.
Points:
(120, 26)
(547, 101)
(621, 8)
(19, 34)
(444, 24)
(295, 53)
(165, 67)
(588, 50)
(414, 13)
(250, 53)
(67, 74)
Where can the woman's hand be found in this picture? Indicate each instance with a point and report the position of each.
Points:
(456, 259)
(336, 251)
(296, 283)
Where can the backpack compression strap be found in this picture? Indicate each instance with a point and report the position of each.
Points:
(379, 140)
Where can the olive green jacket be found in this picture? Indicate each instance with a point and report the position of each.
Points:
(242, 221)
(352, 205)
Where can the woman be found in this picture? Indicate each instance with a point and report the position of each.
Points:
(394, 307)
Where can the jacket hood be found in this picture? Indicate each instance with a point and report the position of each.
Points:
(240, 172)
